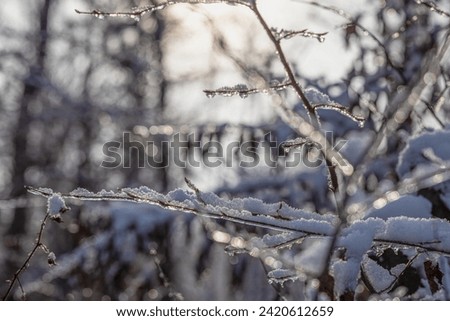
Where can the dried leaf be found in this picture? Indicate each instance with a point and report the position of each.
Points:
(434, 276)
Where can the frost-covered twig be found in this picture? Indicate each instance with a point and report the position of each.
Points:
(287, 68)
(140, 11)
(56, 207)
(343, 110)
(288, 34)
(244, 91)
(298, 143)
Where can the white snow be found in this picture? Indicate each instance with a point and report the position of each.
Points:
(56, 205)
(282, 239)
(357, 238)
(408, 205)
(380, 279)
(345, 275)
(51, 259)
(315, 96)
(414, 154)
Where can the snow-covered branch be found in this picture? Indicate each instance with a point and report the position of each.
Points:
(291, 226)
(278, 216)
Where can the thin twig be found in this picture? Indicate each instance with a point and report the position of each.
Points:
(288, 34)
(139, 12)
(173, 294)
(243, 91)
(286, 66)
(197, 192)
(392, 285)
(24, 266)
(433, 113)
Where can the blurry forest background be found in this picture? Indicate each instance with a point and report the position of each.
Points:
(70, 83)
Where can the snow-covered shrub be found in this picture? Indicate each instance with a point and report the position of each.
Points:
(363, 216)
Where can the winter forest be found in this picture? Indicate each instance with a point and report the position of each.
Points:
(225, 150)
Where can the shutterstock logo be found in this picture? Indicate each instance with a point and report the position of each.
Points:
(187, 150)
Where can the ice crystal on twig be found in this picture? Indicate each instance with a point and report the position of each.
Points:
(281, 34)
(343, 110)
(244, 91)
(297, 143)
(137, 13)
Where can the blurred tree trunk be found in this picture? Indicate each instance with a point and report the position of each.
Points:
(158, 51)
(31, 88)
